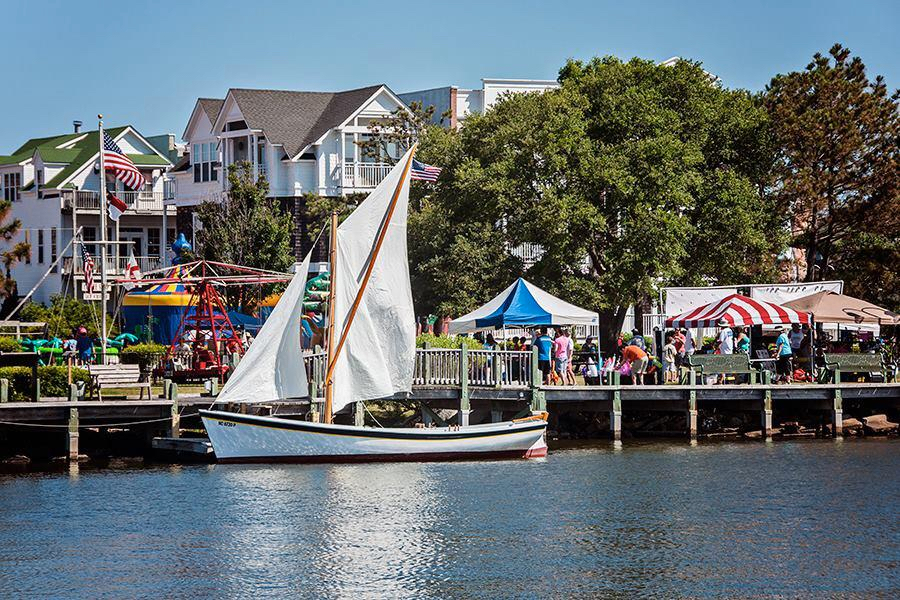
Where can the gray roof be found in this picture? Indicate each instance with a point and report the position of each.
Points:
(297, 119)
(211, 106)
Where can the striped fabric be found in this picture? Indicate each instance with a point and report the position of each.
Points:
(116, 161)
(737, 310)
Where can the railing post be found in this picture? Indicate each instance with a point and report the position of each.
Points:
(538, 398)
(497, 356)
(615, 415)
(359, 414)
(426, 363)
(464, 407)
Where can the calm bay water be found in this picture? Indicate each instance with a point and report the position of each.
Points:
(663, 519)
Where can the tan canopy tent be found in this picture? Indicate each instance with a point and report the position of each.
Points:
(830, 307)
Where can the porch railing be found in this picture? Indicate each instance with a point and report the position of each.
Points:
(364, 175)
(113, 266)
(141, 201)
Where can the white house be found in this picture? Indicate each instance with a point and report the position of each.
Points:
(302, 142)
(458, 103)
(54, 186)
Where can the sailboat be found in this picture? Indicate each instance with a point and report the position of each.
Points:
(370, 355)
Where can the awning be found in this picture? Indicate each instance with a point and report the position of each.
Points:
(829, 307)
(523, 304)
(737, 310)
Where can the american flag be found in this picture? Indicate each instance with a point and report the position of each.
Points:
(424, 172)
(87, 263)
(115, 160)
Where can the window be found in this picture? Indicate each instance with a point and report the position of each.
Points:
(40, 177)
(53, 247)
(11, 184)
(349, 149)
(170, 237)
(90, 235)
(40, 246)
(28, 241)
(204, 158)
(153, 241)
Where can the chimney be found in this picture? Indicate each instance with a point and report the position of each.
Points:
(77, 126)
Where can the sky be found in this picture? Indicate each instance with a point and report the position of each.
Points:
(146, 63)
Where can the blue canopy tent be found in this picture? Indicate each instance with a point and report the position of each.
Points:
(523, 304)
(165, 303)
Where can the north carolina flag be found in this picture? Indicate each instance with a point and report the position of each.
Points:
(115, 206)
(132, 272)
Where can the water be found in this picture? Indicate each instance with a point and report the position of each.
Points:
(663, 519)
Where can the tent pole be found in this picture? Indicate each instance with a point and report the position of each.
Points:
(812, 346)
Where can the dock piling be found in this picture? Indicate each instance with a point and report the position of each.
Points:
(72, 431)
(538, 398)
(4, 390)
(359, 414)
(692, 406)
(837, 412)
(766, 414)
(464, 408)
(615, 415)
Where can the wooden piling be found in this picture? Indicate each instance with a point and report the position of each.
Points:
(4, 390)
(175, 425)
(692, 406)
(837, 411)
(465, 408)
(72, 431)
(359, 414)
(538, 398)
(766, 414)
(615, 415)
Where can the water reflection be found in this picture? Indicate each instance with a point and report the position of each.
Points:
(669, 519)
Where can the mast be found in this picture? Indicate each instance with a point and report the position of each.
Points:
(103, 249)
(382, 233)
(329, 358)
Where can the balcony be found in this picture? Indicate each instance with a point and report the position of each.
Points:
(364, 175)
(114, 267)
(142, 202)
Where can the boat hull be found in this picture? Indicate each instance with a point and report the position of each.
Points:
(246, 438)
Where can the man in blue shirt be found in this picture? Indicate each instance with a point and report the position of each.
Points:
(544, 343)
(783, 352)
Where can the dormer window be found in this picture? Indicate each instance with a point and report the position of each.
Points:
(40, 177)
(11, 184)
(204, 160)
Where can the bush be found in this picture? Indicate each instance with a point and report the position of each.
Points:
(146, 355)
(66, 314)
(9, 344)
(54, 381)
(443, 341)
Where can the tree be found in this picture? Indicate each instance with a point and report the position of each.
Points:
(66, 314)
(836, 172)
(14, 253)
(390, 136)
(247, 228)
(631, 176)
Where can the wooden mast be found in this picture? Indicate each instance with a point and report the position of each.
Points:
(329, 357)
(382, 233)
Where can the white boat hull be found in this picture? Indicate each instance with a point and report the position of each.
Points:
(246, 438)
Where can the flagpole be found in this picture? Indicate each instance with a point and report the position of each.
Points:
(103, 249)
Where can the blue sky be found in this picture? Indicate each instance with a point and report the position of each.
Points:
(145, 63)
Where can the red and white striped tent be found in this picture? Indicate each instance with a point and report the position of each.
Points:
(737, 310)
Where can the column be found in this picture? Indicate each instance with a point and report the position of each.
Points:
(252, 145)
(164, 235)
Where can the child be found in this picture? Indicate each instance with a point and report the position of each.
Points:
(669, 354)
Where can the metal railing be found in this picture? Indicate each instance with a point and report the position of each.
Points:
(364, 175)
(140, 201)
(113, 266)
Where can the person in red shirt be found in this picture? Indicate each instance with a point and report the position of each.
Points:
(638, 360)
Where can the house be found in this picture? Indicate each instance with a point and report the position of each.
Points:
(54, 186)
(301, 142)
(458, 103)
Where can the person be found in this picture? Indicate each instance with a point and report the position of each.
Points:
(490, 343)
(561, 356)
(742, 344)
(784, 354)
(688, 342)
(544, 345)
(570, 368)
(795, 336)
(637, 359)
(637, 340)
(84, 345)
(679, 340)
(725, 339)
(670, 352)
(592, 368)
(515, 344)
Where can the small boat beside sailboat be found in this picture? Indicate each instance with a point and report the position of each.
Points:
(370, 356)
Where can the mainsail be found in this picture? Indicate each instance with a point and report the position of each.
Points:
(272, 369)
(377, 357)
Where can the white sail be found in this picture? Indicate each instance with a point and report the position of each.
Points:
(377, 358)
(272, 369)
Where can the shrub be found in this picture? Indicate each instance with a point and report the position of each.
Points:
(146, 355)
(443, 341)
(9, 344)
(54, 381)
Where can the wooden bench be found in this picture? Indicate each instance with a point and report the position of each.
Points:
(857, 363)
(117, 376)
(721, 364)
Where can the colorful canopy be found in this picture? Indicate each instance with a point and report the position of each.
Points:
(737, 310)
(523, 304)
(829, 307)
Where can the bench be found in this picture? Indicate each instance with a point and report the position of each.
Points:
(857, 363)
(721, 364)
(117, 376)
